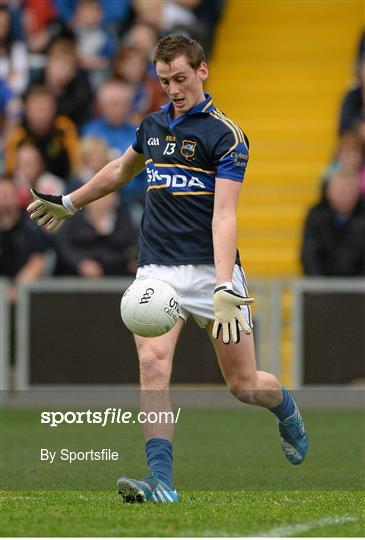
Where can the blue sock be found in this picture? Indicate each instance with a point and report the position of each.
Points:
(286, 407)
(159, 459)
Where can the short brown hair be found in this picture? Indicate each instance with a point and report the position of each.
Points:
(38, 90)
(125, 50)
(62, 46)
(170, 47)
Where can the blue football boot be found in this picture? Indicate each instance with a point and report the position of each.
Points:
(147, 490)
(294, 438)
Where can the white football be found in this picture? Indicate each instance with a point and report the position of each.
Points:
(150, 307)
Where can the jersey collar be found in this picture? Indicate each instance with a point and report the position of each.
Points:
(205, 107)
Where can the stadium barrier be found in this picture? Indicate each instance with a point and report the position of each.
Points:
(328, 331)
(68, 332)
(4, 336)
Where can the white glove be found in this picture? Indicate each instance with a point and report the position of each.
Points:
(50, 210)
(228, 313)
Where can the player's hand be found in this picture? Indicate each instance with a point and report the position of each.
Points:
(228, 314)
(50, 210)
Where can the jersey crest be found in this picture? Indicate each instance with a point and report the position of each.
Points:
(188, 149)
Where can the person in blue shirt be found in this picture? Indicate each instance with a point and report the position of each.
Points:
(112, 11)
(114, 102)
(114, 99)
(96, 45)
(196, 158)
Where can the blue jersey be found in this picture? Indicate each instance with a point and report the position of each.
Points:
(183, 158)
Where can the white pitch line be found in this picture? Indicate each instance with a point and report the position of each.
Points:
(287, 530)
(298, 528)
(14, 497)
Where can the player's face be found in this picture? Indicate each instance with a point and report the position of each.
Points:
(182, 83)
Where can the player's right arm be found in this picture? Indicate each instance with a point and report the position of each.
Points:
(49, 210)
(115, 174)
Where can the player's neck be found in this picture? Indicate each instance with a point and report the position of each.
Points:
(177, 114)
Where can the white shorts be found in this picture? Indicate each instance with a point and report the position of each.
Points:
(194, 284)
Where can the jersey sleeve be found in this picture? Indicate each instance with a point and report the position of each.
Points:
(231, 155)
(137, 144)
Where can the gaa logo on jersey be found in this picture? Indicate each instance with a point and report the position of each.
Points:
(153, 141)
(188, 149)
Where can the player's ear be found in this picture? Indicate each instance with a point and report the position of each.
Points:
(203, 71)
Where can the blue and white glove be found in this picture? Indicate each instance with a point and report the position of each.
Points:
(228, 314)
(50, 210)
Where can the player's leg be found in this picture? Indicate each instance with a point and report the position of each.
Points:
(155, 361)
(155, 364)
(238, 365)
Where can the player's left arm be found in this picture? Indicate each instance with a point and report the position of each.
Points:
(230, 157)
(224, 228)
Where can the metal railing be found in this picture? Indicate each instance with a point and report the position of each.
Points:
(268, 316)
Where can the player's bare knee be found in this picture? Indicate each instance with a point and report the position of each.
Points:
(154, 369)
(244, 390)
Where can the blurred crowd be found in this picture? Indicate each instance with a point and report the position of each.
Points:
(75, 81)
(334, 232)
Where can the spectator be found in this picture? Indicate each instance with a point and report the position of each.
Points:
(10, 112)
(171, 16)
(131, 66)
(178, 13)
(55, 136)
(69, 84)
(14, 8)
(350, 154)
(11, 108)
(114, 102)
(353, 103)
(95, 44)
(35, 19)
(23, 246)
(13, 56)
(94, 156)
(178, 17)
(334, 233)
(25, 250)
(42, 27)
(99, 241)
(30, 174)
(114, 99)
(149, 12)
(142, 35)
(209, 13)
(113, 10)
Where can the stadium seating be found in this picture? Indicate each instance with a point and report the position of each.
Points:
(295, 61)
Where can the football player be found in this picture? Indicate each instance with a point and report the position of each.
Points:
(195, 158)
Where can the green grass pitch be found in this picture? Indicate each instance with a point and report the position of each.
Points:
(230, 472)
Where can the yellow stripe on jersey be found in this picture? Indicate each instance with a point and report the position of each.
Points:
(148, 161)
(156, 187)
(207, 105)
(183, 167)
(182, 192)
(193, 193)
(242, 137)
(236, 129)
(234, 126)
(236, 141)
